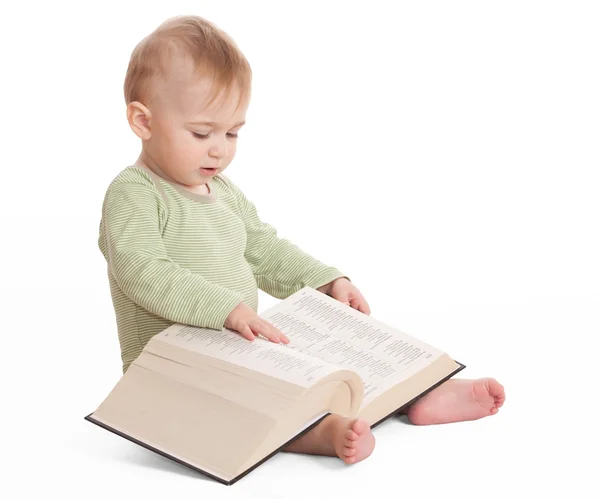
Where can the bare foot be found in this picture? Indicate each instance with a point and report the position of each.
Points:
(353, 440)
(349, 439)
(458, 400)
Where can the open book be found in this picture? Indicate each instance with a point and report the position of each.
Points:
(222, 405)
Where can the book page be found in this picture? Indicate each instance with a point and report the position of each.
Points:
(259, 355)
(336, 333)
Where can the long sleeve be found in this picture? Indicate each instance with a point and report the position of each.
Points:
(280, 267)
(133, 247)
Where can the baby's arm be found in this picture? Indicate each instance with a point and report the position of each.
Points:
(280, 267)
(138, 261)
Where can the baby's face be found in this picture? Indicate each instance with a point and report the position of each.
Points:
(187, 137)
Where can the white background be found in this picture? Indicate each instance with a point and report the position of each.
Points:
(443, 154)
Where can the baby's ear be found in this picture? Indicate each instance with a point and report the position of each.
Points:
(139, 117)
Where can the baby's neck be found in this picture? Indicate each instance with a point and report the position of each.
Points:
(199, 189)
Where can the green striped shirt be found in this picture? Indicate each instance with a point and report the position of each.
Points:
(179, 257)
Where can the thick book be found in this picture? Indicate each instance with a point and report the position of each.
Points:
(222, 405)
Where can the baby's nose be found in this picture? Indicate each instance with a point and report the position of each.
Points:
(219, 149)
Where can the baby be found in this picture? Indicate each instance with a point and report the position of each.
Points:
(183, 243)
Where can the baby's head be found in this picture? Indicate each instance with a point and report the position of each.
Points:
(187, 90)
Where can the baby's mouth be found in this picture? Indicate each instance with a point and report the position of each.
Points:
(208, 171)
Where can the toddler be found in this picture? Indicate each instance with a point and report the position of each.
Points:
(184, 245)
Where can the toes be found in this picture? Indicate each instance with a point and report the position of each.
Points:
(359, 442)
(360, 426)
(495, 388)
(499, 400)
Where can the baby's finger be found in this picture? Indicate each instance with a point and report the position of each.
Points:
(282, 337)
(246, 332)
(363, 307)
(360, 304)
(267, 331)
(281, 334)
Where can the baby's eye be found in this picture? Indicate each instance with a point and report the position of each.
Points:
(201, 136)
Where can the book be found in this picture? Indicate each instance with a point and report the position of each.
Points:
(222, 405)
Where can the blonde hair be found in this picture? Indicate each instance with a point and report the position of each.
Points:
(213, 53)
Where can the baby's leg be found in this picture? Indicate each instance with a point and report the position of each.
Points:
(458, 400)
(349, 439)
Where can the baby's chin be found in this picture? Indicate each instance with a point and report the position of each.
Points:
(197, 177)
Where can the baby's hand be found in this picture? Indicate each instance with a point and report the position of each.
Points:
(246, 321)
(343, 290)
